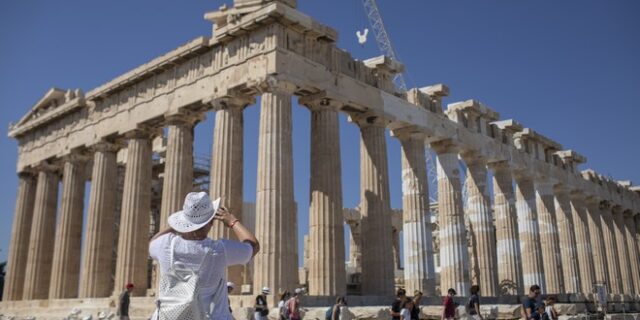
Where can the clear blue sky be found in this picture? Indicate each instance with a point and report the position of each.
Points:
(568, 69)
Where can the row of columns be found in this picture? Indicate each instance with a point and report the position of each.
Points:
(544, 234)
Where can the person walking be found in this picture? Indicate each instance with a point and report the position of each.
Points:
(417, 297)
(261, 307)
(407, 309)
(124, 301)
(192, 266)
(293, 305)
(337, 310)
(473, 305)
(449, 310)
(549, 308)
(530, 305)
(282, 310)
(396, 306)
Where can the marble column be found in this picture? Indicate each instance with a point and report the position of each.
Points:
(566, 235)
(611, 248)
(133, 242)
(584, 251)
(377, 269)
(38, 269)
(622, 252)
(528, 229)
(327, 274)
(95, 279)
(275, 265)
(65, 274)
(419, 269)
(596, 234)
(20, 234)
(508, 249)
(634, 256)
(481, 225)
(227, 169)
(454, 255)
(178, 165)
(549, 240)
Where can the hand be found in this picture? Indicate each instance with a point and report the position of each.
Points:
(225, 216)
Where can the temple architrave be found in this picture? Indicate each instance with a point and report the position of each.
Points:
(530, 215)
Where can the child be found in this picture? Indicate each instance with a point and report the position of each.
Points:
(549, 309)
(407, 309)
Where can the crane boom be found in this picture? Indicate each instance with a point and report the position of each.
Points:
(382, 38)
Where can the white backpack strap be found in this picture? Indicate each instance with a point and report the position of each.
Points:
(171, 252)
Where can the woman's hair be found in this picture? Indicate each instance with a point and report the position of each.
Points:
(475, 289)
(551, 299)
(406, 302)
(341, 299)
(284, 295)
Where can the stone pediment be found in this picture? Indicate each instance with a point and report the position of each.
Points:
(53, 103)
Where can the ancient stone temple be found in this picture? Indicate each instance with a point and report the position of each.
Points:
(530, 215)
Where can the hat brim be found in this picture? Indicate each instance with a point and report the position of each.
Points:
(179, 223)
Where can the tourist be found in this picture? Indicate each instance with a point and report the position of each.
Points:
(284, 297)
(183, 248)
(473, 305)
(530, 304)
(261, 307)
(449, 310)
(396, 306)
(123, 302)
(407, 309)
(417, 296)
(337, 310)
(230, 287)
(293, 305)
(549, 308)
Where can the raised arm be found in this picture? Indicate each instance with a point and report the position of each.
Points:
(242, 233)
(162, 232)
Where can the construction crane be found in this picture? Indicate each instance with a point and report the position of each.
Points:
(382, 38)
(384, 43)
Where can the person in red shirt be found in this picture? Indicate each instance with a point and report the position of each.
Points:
(449, 311)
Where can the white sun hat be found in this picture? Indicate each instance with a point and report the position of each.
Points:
(266, 290)
(196, 212)
(231, 284)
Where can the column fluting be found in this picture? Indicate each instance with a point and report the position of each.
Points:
(481, 225)
(419, 269)
(528, 229)
(566, 235)
(623, 254)
(95, 280)
(327, 274)
(634, 256)
(65, 274)
(596, 234)
(454, 253)
(133, 242)
(549, 240)
(377, 269)
(20, 234)
(611, 248)
(38, 269)
(275, 265)
(584, 251)
(508, 248)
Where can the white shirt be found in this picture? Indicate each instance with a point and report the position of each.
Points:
(405, 314)
(222, 253)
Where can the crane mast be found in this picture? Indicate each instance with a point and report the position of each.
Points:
(382, 38)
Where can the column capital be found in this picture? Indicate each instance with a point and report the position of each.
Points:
(142, 132)
(472, 157)
(49, 166)
(616, 208)
(183, 118)
(275, 85)
(319, 101)
(604, 205)
(27, 173)
(445, 146)
(561, 188)
(106, 146)
(76, 157)
(577, 194)
(628, 214)
(499, 165)
(232, 101)
(408, 133)
(367, 119)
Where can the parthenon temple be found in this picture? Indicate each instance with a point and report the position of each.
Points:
(529, 216)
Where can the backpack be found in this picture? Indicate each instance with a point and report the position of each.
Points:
(328, 313)
(179, 291)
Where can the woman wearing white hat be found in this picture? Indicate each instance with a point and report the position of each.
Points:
(192, 266)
